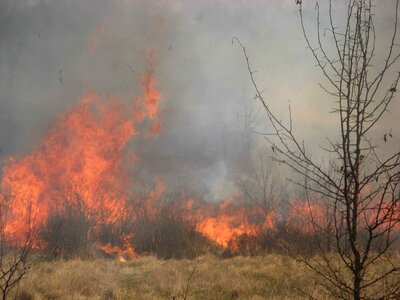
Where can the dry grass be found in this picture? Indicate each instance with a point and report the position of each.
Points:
(264, 277)
(267, 277)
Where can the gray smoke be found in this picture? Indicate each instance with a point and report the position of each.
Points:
(52, 51)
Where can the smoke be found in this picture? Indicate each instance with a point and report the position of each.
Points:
(51, 52)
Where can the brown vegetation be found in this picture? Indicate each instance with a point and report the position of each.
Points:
(262, 277)
(267, 277)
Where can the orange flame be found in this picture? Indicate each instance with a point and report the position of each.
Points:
(83, 155)
(223, 222)
(123, 253)
(83, 159)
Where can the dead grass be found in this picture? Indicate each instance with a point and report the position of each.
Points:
(265, 277)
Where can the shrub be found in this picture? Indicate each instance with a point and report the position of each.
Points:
(66, 232)
(167, 235)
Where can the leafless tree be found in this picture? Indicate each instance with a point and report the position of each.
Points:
(66, 231)
(15, 249)
(360, 185)
(253, 171)
(261, 187)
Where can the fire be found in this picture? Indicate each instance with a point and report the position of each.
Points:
(81, 163)
(223, 229)
(303, 214)
(83, 155)
(123, 253)
(223, 222)
(148, 106)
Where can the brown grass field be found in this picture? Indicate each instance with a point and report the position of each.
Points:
(263, 277)
(270, 276)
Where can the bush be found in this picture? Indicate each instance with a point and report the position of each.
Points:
(66, 232)
(167, 235)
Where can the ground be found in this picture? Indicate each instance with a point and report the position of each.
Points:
(264, 277)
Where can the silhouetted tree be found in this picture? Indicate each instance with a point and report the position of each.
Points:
(15, 248)
(360, 185)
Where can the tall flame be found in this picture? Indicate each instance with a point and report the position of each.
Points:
(82, 161)
(83, 155)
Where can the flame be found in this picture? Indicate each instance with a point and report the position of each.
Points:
(83, 155)
(302, 215)
(82, 161)
(223, 222)
(95, 36)
(125, 252)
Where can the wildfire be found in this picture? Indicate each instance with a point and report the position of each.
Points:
(83, 155)
(123, 253)
(229, 219)
(81, 163)
(303, 214)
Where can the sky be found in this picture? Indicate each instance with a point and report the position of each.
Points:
(202, 76)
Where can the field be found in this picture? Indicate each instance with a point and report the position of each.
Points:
(209, 277)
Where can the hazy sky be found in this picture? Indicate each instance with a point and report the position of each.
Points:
(202, 76)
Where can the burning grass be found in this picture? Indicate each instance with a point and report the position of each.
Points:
(77, 189)
(77, 195)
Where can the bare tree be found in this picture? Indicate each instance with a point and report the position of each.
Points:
(360, 185)
(14, 249)
(66, 231)
(253, 169)
(261, 187)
